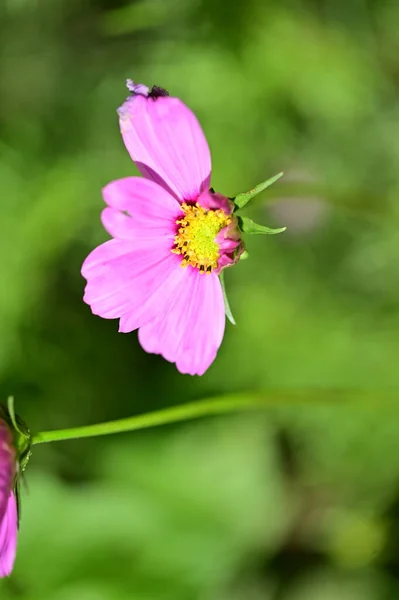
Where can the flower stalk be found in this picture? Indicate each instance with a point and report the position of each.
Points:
(174, 414)
(205, 408)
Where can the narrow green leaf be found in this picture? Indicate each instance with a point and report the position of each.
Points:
(249, 226)
(227, 308)
(11, 412)
(242, 199)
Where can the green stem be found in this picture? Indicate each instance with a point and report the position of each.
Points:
(201, 408)
(174, 414)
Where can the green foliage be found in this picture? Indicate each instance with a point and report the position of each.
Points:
(180, 522)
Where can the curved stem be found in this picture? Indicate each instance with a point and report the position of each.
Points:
(202, 408)
(174, 414)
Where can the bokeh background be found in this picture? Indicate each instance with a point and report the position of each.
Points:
(297, 502)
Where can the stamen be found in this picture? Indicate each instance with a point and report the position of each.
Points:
(196, 236)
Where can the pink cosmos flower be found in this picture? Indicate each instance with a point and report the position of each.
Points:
(8, 504)
(172, 236)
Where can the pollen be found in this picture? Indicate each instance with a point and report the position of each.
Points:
(196, 237)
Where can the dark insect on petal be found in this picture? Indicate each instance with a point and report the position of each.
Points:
(7, 465)
(157, 92)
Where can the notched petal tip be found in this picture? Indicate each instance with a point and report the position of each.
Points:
(140, 89)
(137, 88)
(126, 110)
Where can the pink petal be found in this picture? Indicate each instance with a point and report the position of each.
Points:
(166, 142)
(99, 258)
(158, 303)
(152, 211)
(122, 276)
(8, 536)
(7, 465)
(214, 201)
(191, 331)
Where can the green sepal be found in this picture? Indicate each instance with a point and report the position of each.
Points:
(242, 199)
(12, 415)
(22, 442)
(248, 226)
(227, 308)
(244, 255)
(21, 432)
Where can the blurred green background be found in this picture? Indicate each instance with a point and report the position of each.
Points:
(299, 502)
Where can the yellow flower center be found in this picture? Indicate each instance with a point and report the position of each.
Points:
(195, 238)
